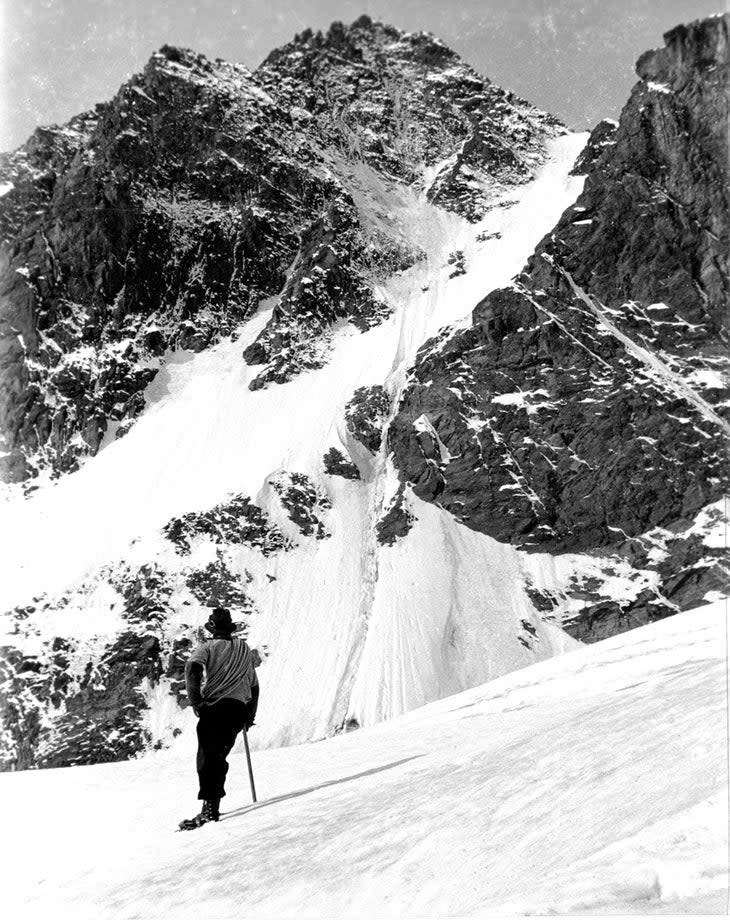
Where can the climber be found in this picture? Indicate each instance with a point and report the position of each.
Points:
(225, 705)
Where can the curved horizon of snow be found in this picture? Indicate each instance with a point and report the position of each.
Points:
(593, 783)
(349, 628)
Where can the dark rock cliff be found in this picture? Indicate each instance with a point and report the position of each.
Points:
(588, 401)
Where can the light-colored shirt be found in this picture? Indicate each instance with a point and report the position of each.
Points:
(229, 669)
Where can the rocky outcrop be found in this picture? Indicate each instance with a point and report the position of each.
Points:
(74, 700)
(586, 402)
(215, 585)
(366, 414)
(236, 521)
(396, 521)
(601, 136)
(303, 503)
(336, 464)
(688, 573)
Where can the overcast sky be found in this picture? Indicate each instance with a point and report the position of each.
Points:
(573, 58)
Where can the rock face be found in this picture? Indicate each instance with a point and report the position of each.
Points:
(161, 219)
(576, 416)
(303, 503)
(78, 701)
(688, 571)
(337, 464)
(588, 401)
(402, 101)
(86, 695)
(366, 414)
(237, 521)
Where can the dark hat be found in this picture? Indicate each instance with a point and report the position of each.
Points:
(220, 621)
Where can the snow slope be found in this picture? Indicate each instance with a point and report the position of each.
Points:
(353, 629)
(591, 783)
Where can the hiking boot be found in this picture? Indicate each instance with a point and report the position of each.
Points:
(209, 812)
(214, 806)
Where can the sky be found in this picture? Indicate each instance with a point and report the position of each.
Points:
(573, 58)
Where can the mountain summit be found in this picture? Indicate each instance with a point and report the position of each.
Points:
(164, 217)
(423, 386)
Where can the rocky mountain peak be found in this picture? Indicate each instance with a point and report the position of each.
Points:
(364, 40)
(198, 185)
(699, 49)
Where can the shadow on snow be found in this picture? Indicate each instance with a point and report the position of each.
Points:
(333, 782)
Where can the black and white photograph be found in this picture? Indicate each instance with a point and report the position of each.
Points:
(364, 416)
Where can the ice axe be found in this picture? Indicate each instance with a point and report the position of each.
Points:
(248, 761)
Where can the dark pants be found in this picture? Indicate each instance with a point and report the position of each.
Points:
(218, 726)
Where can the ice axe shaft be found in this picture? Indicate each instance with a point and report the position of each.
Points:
(248, 761)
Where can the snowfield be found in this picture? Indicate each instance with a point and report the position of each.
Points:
(594, 782)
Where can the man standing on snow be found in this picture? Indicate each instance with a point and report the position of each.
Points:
(225, 705)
